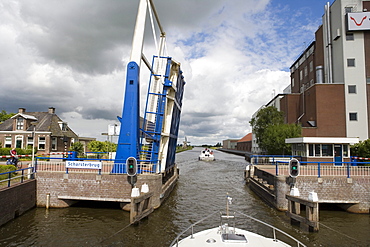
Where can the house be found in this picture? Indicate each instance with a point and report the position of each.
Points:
(44, 130)
(245, 144)
(229, 143)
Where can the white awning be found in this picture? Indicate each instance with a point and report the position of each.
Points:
(332, 140)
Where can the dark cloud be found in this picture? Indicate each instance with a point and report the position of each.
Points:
(87, 36)
(71, 55)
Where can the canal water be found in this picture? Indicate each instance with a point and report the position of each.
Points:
(201, 190)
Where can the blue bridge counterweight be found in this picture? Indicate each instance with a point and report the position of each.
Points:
(129, 137)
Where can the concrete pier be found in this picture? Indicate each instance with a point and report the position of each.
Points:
(351, 194)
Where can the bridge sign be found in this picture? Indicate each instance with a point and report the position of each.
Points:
(84, 164)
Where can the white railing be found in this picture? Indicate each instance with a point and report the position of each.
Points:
(53, 166)
(326, 170)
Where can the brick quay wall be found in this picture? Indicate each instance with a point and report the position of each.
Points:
(351, 194)
(16, 200)
(62, 190)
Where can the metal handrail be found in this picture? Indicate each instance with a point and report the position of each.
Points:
(60, 166)
(22, 176)
(175, 242)
(320, 169)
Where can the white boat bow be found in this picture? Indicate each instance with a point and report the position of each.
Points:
(226, 235)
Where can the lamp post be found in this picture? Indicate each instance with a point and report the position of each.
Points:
(65, 140)
(33, 143)
(33, 149)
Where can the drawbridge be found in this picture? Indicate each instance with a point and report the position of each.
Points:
(151, 142)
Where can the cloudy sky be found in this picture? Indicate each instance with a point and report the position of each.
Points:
(72, 55)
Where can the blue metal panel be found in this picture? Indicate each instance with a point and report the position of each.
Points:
(128, 141)
(153, 133)
(175, 122)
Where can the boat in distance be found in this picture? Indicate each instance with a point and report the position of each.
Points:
(227, 235)
(206, 155)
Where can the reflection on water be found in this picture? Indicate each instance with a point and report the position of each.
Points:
(201, 190)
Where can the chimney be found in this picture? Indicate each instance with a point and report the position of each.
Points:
(21, 110)
(51, 110)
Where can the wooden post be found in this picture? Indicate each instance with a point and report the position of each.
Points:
(311, 221)
(141, 207)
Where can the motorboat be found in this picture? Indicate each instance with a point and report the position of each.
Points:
(227, 234)
(206, 155)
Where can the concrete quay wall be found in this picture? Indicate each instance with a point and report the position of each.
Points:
(16, 200)
(351, 194)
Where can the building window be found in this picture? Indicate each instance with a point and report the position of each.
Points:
(311, 66)
(299, 149)
(310, 150)
(353, 116)
(300, 75)
(350, 62)
(345, 150)
(348, 9)
(327, 149)
(54, 143)
(29, 142)
(317, 150)
(292, 82)
(350, 36)
(20, 123)
(305, 71)
(63, 126)
(8, 141)
(42, 141)
(352, 89)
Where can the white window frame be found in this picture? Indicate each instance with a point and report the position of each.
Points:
(20, 123)
(41, 142)
(8, 142)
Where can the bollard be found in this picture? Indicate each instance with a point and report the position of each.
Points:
(135, 192)
(294, 191)
(47, 201)
(312, 196)
(145, 188)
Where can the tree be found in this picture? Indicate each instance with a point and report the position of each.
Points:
(77, 147)
(265, 117)
(271, 132)
(4, 115)
(98, 146)
(274, 138)
(361, 149)
(110, 146)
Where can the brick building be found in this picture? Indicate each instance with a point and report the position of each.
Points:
(245, 144)
(229, 143)
(45, 130)
(329, 93)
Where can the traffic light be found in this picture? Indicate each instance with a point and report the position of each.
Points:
(131, 166)
(293, 168)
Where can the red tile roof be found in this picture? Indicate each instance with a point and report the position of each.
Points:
(246, 138)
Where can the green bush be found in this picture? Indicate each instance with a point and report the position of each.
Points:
(6, 168)
(20, 151)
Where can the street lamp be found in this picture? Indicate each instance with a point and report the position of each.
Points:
(33, 143)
